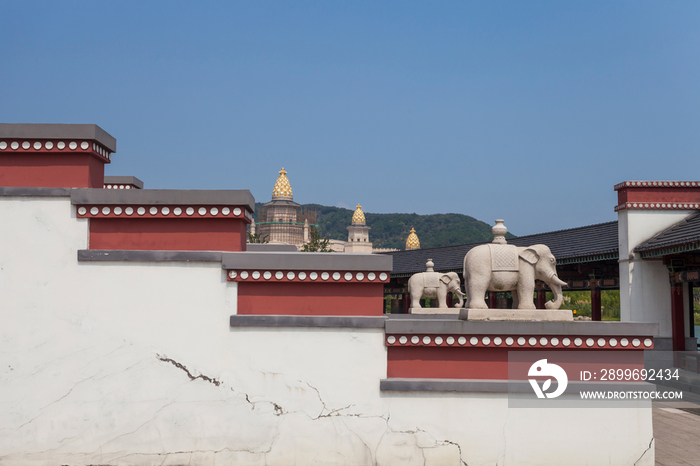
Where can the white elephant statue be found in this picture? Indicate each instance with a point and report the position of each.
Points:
(434, 285)
(505, 267)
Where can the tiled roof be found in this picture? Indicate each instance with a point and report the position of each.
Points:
(684, 232)
(573, 245)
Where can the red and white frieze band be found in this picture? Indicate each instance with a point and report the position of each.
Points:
(303, 276)
(657, 206)
(657, 184)
(111, 211)
(119, 186)
(580, 342)
(55, 146)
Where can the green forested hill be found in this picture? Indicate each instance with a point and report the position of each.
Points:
(391, 230)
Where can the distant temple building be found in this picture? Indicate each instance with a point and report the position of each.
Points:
(282, 220)
(412, 240)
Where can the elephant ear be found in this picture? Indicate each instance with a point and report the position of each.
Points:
(445, 279)
(530, 256)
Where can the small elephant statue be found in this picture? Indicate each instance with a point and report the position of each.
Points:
(505, 267)
(434, 285)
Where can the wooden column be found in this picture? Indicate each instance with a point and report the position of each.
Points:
(677, 315)
(596, 312)
(541, 298)
(493, 300)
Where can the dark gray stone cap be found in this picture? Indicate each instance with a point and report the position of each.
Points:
(455, 326)
(306, 261)
(34, 192)
(85, 255)
(307, 321)
(499, 386)
(240, 197)
(124, 180)
(269, 247)
(58, 131)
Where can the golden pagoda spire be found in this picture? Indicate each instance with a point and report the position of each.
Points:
(282, 189)
(358, 218)
(412, 240)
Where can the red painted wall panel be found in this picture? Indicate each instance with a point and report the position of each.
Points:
(168, 234)
(293, 298)
(39, 170)
(431, 362)
(661, 195)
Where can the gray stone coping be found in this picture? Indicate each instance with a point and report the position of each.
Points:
(241, 197)
(57, 131)
(306, 261)
(307, 321)
(270, 247)
(34, 192)
(85, 255)
(124, 180)
(499, 386)
(455, 326)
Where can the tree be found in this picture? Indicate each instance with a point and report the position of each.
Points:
(317, 243)
(257, 238)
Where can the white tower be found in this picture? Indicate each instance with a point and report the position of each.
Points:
(358, 233)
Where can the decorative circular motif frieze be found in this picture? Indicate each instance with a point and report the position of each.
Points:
(236, 211)
(232, 274)
(438, 341)
(601, 342)
(105, 210)
(225, 211)
(313, 275)
(554, 341)
(244, 275)
(302, 275)
(336, 276)
(189, 211)
(3, 145)
(94, 211)
(532, 341)
(348, 276)
(450, 340)
(279, 275)
(578, 342)
(383, 276)
(290, 275)
(153, 210)
(129, 210)
(214, 211)
(426, 340)
(26, 145)
(521, 341)
(82, 210)
(360, 276)
(202, 211)
(509, 341)
(486, 341)
(636, 342)
(267, 275)
(256, 275)
(403, 340)
(624, 342)
(473, 341)
(37, 145)
(325, 276)
(84, 145)
(391, 340)
(140, 211)
(73, 145)
(497, 341)
(612, 342)
(543, 341)
(648, 342)
(415, 339)
(462, 341)
(165, 211)
(566, 342)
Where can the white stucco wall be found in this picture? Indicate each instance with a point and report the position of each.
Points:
(135, 363)
(645, 291)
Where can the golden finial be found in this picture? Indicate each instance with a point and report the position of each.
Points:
(412, 240)
(358, 218)
(282, 189)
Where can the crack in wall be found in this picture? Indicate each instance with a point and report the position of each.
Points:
(187, 371)
(651, 442)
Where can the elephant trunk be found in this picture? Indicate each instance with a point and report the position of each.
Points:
(460, 302)
(555, 284)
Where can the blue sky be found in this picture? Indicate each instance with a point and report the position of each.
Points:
(527, 111)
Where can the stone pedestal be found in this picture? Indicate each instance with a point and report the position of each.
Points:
(434, 310)
(531, 315)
